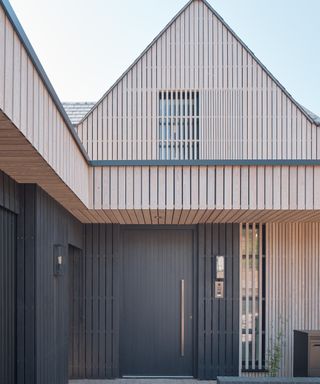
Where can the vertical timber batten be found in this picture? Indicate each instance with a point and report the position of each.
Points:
(218, 319)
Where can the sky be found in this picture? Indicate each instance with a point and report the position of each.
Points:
(84, 46)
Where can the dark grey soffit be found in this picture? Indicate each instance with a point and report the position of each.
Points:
(159, 163)
(36, 62)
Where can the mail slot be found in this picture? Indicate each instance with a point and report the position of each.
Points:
(306, 354)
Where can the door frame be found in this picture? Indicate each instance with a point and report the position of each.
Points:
(195, 296)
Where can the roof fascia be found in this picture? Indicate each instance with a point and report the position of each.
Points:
(226, 162)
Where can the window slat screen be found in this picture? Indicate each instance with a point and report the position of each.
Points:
(178, 137)
(252, 300)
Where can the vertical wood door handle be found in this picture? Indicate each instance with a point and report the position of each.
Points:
(182, 310)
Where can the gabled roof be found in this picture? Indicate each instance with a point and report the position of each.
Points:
(310, 116)
(76, 110)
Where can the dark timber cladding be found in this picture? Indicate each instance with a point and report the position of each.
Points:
(9, 193)
(44, 231)
(95, 303)
(7, 295)
(97, 289)
(218, 326)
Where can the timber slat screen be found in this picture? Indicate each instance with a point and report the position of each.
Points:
(179, 125)
(252, 297)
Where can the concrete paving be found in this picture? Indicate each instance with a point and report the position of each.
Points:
(142, 381)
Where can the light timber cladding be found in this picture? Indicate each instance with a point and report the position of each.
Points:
(293, 283)
(26, 102)
(205, 193)
(244, 112)
(20, 160)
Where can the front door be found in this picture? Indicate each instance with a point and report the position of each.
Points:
(156, 334)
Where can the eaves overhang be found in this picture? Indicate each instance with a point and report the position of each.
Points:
(38, 66)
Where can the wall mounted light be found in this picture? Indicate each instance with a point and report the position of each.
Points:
(58, 259)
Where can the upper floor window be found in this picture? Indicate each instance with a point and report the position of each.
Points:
(178, 125)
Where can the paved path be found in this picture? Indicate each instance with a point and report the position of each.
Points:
(142, 381)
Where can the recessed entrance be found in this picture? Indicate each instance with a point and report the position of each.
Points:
(156, 326)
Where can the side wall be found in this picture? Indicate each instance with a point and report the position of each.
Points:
(7, 289)
(293, 283)
(95, 335)
(42, 317)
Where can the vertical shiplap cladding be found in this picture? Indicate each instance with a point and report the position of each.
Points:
(244, 112)
(96, 354)
(25, 99)
(292, 283)
(7, 295)
(218, 322)
(201, 187)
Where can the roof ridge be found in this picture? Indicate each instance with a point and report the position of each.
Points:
(287, 93)
(141, 55)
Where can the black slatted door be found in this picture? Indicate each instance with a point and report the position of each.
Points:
(156, 316)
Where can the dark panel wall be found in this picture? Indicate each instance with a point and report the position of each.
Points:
(95, 339)
(9, 193)
(44, 229)
(218, 322)
(76, 281)
(7, 295)
(95, 331)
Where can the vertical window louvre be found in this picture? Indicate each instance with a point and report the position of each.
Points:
(252, 300)
(178, 137)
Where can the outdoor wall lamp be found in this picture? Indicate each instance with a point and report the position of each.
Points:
(57, 260)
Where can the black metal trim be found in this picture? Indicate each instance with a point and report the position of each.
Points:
(228, 162)
(36, 62)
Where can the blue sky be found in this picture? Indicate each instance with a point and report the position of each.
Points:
(85, 46)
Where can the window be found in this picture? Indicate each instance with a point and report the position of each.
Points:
(178, 125)
(252, 300)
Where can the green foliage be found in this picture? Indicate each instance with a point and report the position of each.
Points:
(275, 352)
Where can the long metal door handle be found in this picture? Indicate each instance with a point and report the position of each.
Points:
(182, 316)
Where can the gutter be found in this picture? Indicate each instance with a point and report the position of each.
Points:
(227, 162)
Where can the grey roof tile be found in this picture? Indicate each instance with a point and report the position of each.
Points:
(77, 110)
(313, 116)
